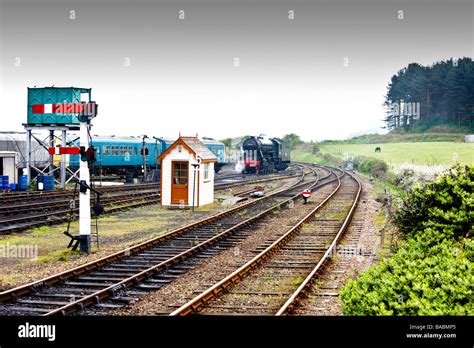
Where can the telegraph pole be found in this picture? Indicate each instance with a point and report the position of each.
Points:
(156, 162)
(144, 157)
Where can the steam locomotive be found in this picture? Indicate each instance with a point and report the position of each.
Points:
(262, 154)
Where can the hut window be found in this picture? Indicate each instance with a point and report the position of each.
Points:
(180, 173)
(206, 171)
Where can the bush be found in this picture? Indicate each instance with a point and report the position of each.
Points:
(445, 205)
(408, 175)
(432, 273)
(417, 281)
(333, 159)
(373, 166)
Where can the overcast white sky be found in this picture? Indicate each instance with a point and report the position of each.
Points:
(182, 78)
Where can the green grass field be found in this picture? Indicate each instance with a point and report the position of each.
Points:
(420, 153)
(395, 154)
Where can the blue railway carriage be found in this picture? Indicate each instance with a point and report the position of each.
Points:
(122, 154)
(216, 147)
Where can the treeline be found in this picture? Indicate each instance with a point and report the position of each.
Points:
(426, 96)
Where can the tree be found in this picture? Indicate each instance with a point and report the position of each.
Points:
(444, 92)
(292, 140)
(227, 142)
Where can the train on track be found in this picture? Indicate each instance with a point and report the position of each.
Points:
(123, 154)
(262, 154)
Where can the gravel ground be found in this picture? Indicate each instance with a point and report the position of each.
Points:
(362, 235)
(134, 226)
(356, 252)
(188, 285)
(117, 232)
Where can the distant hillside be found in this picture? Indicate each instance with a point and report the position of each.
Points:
(393, 154)
(419, 134)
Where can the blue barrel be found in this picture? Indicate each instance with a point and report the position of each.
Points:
(48, 181)
(13, 187)
(23, 183)
(1, 182)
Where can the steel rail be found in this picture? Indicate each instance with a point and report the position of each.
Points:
(27, 288)
(223, 186)
(63, 197)
(118, 196)
(6, 197)
(40, 206)
(62, 214)
(289, 304)
(99, 295)
(214, 291)
(43, 194)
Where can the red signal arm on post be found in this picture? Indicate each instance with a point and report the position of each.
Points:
(64, 151)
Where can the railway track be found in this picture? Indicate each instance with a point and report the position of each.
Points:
(273, 282)
(16, 218)
(59, 213)
(24, 197)
(243, 179)
(117, 279)
(55, 204)
(292, 169)
(320, 296)
(20, 197)
(21, 211)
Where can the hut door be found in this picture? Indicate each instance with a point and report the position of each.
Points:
(179, 185)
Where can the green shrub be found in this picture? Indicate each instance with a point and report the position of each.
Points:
(416, 281)
(445, 205)
(373, 166)
(333, 159)
(432, 273)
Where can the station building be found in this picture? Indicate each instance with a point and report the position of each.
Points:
(187, 174)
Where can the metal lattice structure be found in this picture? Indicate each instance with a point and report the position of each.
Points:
(53, 110)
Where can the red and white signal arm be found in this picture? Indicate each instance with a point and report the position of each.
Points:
(82, 108)
(307, 193)
(64, 150)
